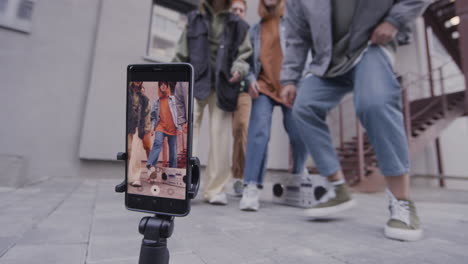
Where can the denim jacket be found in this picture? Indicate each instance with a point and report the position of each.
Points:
(155, 112)
(308, 28)
(256, 38)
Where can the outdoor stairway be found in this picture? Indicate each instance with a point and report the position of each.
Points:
(438, 17)
(428, 120)
(425, 119)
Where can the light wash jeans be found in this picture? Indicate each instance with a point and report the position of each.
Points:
(157, 147)
(377, 99)
(259, 135)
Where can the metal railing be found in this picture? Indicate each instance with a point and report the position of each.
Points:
(410, 84)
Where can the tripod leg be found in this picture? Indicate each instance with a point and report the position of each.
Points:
(154, 254)
(156, 230)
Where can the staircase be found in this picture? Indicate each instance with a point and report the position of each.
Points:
(425, 118)
(428, 119)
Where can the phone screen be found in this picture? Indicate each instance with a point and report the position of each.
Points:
(158, 113)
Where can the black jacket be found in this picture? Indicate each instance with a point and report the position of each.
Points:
(235, 30)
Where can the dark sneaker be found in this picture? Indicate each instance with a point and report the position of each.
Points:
(238, 187)
(340, 202)
(404, 222)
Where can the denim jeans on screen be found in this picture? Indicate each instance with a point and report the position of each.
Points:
(259, 135)
(377, 99)
(157, 147)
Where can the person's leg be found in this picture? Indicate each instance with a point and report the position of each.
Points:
(316, 97)
(198, 109)
(257, 152)
(378, 105)
(134, 163)
(147, 144)
(240, 124)
(156, 150)
(129, 145)
(132, 167)
(258, 137)
(377, 98)
(299, 151)
(172, 141)
(218, 169)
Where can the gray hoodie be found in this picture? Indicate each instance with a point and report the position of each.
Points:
(308, 28)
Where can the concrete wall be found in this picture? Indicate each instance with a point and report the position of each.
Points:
(122, 37)
(122, 41)
(44, 80)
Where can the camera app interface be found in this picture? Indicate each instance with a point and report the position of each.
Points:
(157, 138)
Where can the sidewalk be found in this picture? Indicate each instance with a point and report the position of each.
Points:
(73, 221)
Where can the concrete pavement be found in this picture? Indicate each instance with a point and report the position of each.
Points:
(83, 221)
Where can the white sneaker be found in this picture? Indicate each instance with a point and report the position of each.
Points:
(136, 184)
(250, 198)
(218, 199)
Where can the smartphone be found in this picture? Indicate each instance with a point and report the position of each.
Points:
(159, 138)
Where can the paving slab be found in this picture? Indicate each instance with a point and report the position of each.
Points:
(84, 221)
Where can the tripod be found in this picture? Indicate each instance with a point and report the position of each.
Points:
(157, 229)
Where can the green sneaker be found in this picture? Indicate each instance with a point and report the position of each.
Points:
(404, 222)
(340, 202)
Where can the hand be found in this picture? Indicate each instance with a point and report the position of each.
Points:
(184, 128)
(254, 89)
(384, 33)
(152, 132)
(288, 95)
(236, 77)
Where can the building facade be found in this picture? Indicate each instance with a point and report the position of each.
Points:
(63, 79)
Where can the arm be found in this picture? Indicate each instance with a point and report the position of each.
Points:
(298, 43)
(250, 78)
(241, 65)
(405, 11)
(147, 118)
(154, 117)
(182, 53)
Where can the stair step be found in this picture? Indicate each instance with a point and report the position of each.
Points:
(351, 154)
(353, 149)
(354, 161)
(354, 143)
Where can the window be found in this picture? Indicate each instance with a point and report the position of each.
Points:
(3, 6)
(16, 14)
(168, 20)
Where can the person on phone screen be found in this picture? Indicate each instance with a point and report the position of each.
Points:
(138, 123)
(163, 125)
(217, 44)
(181, 98)
(352, 51)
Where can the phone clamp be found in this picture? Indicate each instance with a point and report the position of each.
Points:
(157, 229)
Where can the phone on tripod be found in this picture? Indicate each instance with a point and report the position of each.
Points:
(159, 138)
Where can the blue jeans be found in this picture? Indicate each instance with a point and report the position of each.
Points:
(377, 99)
(258, 137)
(157, 147)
